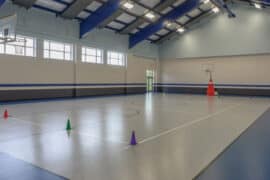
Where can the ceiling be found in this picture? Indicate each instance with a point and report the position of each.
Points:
(169, 15)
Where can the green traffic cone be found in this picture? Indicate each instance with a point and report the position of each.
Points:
(68, 128)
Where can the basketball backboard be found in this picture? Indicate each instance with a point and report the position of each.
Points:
(8, 28)
(208, 67)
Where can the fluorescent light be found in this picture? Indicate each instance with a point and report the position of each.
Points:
(215, 9)
(181, 30)
(128, 5)
(150, 15)
(168, 23)
(258, 6)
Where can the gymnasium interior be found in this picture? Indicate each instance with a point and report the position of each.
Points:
(134, 90)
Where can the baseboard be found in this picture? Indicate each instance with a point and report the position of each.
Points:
(35, 94)
(221, 91)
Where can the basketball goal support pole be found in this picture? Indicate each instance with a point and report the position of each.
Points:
(210, 72)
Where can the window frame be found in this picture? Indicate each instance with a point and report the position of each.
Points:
(69, 52)
(85, 55)
(121, 61)
(24, 46)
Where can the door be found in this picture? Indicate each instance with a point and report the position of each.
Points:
(149, 80)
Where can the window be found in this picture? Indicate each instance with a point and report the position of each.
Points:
(23, 46)
(2, 48)
(116, 58)
(92, 55)
(57, 50)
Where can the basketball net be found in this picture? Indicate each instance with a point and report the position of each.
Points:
(8, 29)
(210, 74)
(6, 40)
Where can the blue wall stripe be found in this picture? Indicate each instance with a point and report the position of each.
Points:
(131, 84)
(63, 85)
(217, 85)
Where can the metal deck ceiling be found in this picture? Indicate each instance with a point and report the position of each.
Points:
(112, 15)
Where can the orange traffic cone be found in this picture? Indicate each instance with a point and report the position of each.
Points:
(211, 88)
(6, 114)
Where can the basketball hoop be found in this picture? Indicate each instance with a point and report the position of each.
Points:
(8, 29)
(4, 40)
(208, 69)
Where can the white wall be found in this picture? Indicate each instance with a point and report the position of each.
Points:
(236, 70)
(25, 70)
(37, 70)
(46, 25)
(229, 41)
(136, 69)
(220, 36)
(239, 50)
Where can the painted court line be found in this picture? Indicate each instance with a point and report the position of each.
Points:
(187, 124)
(21, 120)
(27, 122)
(44, 132)
(104, 140)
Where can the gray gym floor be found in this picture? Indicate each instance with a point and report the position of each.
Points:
(178, 135)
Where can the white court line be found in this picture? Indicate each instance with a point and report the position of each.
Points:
(187, 124)
(104, 140)
(74, 131)
(150, 138)
(26, 122)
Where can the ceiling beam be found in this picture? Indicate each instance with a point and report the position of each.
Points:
(74, 9)
(25, 3)
(99, 16)
(2, 2)
(173, 15)
(188, 25)
(139, 21)
(265, 3)
(111, 18)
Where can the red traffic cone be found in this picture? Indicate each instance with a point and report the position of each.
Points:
(211, 88)
(6, 114)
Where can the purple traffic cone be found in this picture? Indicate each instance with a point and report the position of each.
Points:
(133, 141)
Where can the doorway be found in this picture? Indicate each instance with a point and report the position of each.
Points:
(149, 80)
